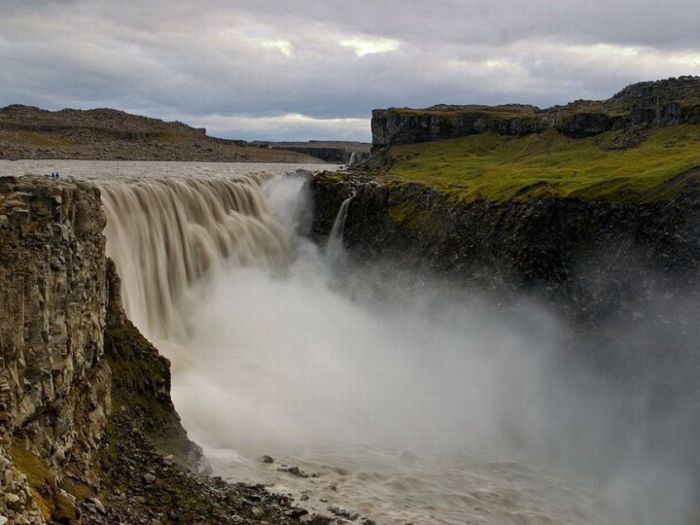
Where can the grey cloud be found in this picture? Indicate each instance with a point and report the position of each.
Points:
(215, 59)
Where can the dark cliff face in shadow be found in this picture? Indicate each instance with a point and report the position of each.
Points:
(587, 253)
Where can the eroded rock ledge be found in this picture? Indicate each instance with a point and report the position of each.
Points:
(88, 432)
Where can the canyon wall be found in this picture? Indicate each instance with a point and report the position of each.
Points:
(587, 253)
(54, 379)
(77, 380)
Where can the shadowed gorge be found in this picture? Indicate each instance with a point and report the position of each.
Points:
(282, 338)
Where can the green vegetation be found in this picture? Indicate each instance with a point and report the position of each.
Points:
(141, 384)
(502, 168)
(41, 139)
(39, 476)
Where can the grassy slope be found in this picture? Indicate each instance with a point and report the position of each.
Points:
(501, 168)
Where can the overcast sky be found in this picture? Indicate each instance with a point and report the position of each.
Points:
(303, 69)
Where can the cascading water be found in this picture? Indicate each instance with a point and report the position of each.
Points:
(269, 359)
(335, 248)
(356, 158)
(412, 400)
(166, 235)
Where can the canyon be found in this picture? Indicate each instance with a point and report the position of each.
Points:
(524, 280)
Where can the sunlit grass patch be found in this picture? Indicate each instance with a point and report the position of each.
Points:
(500, 167)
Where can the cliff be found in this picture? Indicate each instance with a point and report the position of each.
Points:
(106, 134)
(567, 249)
(88, 432)
(550, 200)
(660, 103)
(54, 380)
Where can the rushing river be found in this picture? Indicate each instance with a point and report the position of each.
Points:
(401, 398)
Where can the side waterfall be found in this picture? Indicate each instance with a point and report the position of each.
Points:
(335, 247)
(164, 235)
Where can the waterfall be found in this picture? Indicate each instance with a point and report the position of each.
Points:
(356, 158)
(335, 247)
(164, 235)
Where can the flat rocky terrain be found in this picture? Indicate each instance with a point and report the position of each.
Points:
(107, 134)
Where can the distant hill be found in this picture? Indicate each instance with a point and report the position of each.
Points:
(637, 107)
(106, 134)
(336, 152)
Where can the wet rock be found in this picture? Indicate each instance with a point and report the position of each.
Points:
(294, 471)
(343, 513)
(535, 243)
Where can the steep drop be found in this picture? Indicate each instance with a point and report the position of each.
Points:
(398, 395)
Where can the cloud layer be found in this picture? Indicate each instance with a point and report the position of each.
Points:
(297, 70)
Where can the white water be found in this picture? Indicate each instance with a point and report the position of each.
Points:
(335, 249)
(412, 400)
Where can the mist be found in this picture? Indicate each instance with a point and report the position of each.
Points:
(422, 400)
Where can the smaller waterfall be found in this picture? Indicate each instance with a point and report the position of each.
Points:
(356, 158)
(335, 249)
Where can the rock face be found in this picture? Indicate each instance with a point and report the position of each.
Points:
(660, 103)
(563, 247)
(54, 379)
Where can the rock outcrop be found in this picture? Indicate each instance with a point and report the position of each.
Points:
(661, 103)
(54, 379)
(335, 152)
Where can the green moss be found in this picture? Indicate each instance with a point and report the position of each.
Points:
(65, 511)
(40, 478)
(137, 372)
(399, 213)
(502, 168)
(37, 472)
